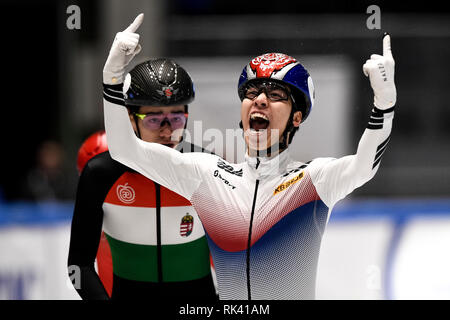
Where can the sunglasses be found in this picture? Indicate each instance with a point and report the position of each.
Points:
(274, 91)
(153, 121)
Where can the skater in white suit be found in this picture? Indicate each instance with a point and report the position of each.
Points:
(264, 218)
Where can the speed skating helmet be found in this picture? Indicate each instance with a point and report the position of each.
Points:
(158, 82)
(281, 68)
(92, 146)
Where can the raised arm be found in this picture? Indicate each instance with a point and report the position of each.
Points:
(166, 166)
(336, 178)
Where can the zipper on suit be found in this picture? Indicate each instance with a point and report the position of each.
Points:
(158, 232)
(249, 295)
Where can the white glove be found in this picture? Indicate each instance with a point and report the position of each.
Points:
(380, 70)
(124, 48)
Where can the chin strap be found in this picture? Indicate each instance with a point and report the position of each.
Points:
(287, 134)
(137, 132)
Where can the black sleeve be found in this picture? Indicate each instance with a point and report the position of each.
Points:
(98, 176)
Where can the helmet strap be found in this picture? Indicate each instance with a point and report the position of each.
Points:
(284, 143)
(137, 132)
(286, 136)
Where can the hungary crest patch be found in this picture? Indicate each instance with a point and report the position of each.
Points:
(187, 225)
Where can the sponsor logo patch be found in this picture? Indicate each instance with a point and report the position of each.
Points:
(217, 175)
(167, 92)
(228, 168)
(288, 183)
(125, 193)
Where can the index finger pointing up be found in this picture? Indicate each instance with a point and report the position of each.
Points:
(387, 52)
(136, 23)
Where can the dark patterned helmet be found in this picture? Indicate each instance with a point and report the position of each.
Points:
(158, 82)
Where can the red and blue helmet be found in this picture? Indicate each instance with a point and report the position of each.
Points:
(281, 68)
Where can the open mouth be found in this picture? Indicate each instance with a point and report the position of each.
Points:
(258, 121)
(170, 145)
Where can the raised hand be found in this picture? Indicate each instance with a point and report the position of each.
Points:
(124, 48)
(380, 70)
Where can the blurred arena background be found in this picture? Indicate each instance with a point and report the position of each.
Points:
(389, 240)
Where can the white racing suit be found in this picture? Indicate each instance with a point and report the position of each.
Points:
(263, 218)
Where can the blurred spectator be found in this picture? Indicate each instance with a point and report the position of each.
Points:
(48, 181)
